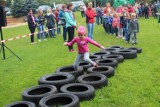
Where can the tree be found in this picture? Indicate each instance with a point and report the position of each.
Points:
(21, 7)
(17, 9)
(8, 3)
(29, 4)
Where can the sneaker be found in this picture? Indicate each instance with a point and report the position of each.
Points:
(118, 37)
(123, 38)
(133, 43)
(72, 50)
(127, 42)
(45, 39)
(39, 40)
(95, 65)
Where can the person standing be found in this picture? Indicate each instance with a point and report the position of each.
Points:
(155, 10)
(99, 15)
(115, 23)
(50, 22)
(146, 11)
(82, 11)
(90, 15)
(62, 21)
(41, 20)
(133, 28)
(31, 19)
(57, 21)
(70, 24)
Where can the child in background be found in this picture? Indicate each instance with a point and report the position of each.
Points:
(83, 50)
(133, 28)
(115, 23)
(111, 31)
(125, 28)
(106, 23)
(120, 26)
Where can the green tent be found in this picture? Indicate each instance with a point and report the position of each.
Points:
(123, 2)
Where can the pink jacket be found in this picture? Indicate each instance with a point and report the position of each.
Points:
(83, 44)
(115, 22)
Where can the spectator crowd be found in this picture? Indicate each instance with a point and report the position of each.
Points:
(121, 21)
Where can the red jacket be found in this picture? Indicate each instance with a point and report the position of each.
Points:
(130, 10)
(56, 14)
(90, 14)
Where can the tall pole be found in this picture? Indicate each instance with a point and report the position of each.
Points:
(4, 56)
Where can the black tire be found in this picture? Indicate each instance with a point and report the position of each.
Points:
(35, 94)
(107, 62)
(83, 91)
(105, 70)
(119, 58)
(111, 50)
(60, 100)
(85, 65)
(58, 79)
(127, 53)
(139, 50)
(117, 47)
(21, 104)
(96, 80)
(101, 54)
(71, 69)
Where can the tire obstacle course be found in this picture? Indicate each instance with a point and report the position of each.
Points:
(67, 86)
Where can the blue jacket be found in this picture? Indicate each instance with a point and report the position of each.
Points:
(110, 20)
(99, 11)
(61, 16)
(106, 20)
(70, 20)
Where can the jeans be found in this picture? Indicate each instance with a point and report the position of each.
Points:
(58, 28)
(90, 30)
(79, 58)
(40, 34)
(111, 29)
(97, 20)
(134, 37)
(126, 35)
(70, 36)
(146, 15)
(120, 31)
(51, 31)
(32, 30)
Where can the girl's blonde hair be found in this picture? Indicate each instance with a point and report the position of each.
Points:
(49, 10)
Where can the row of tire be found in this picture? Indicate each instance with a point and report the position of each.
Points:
(68, 86)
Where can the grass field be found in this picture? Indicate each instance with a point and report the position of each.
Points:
(136, 82)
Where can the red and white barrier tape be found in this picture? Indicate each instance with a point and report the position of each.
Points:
(18, 37)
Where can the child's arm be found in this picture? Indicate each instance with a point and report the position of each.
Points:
(70, 43)
(95, 43)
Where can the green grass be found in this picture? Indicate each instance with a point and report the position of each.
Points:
(136, 82)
